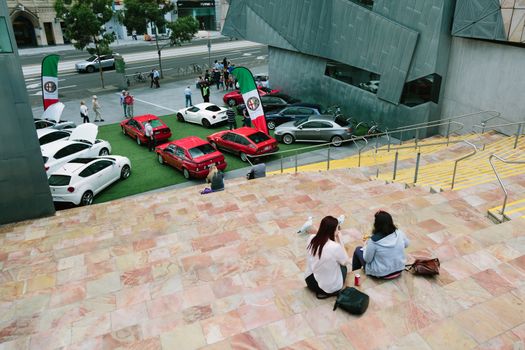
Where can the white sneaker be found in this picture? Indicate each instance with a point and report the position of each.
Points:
(341, 219)
(306, 225)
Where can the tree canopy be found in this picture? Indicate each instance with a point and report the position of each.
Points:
(183, 29)
(138, 13)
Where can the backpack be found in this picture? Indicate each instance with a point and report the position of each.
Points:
(425, 267)
(352, 300)
(128, 100)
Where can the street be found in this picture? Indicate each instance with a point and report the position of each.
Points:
(177, 64)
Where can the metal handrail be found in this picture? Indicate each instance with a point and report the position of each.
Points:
(460, 159)
(497, 114)
(518, 132)
(503, 160)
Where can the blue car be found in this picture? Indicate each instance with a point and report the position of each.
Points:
(298, 111)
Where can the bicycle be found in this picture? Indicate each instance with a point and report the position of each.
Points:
(139, 77)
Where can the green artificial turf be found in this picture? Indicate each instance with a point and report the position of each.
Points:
(146, 172)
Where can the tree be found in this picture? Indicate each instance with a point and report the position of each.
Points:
(84, 24)
(183, 29)
(139, 13)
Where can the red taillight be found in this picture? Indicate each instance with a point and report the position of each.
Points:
(349, 130)
(46, 167)
(71, 189)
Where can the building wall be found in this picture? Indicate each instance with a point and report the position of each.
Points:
(24, 191)
(485, 75)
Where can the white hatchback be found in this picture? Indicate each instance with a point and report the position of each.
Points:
(81, 179)
(46, 136)
(82, 143)
(205, 114)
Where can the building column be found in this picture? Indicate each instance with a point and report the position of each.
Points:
(57, 32)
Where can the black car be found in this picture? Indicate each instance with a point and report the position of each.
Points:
(274, 102)
(293, 112)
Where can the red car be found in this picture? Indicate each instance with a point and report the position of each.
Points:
(244, 141)
(134, 127)
(234, 98)
(191, 155)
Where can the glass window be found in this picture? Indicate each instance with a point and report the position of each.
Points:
(102, 164)
(201, 150)
(179, 152)
(292, 111)
(422, 90)
(312, 125)
(92, 58)
(59, 180)
(90, 170)
(353, 76)
(53, 137)
(258, 137)
(154, 123)
(170, 149)
(70, 149)
(194, 109)
(5, 40)
(306, 111)
(229, 137)
(213, 108)
(241, 140)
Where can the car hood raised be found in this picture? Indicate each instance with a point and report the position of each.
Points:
(86, 132)
(54, 112)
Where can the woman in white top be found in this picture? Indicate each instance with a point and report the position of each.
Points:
(326, 259)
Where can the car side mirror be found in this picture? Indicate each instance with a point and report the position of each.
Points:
(300, 127)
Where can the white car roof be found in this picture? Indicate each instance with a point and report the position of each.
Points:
(54, 112)
(204, 105)
(71, 167)
(87, 132)
(45, 131)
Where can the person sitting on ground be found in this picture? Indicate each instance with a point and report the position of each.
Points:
(216, 179)
(326, 258)
(384, 253)
(257, 171)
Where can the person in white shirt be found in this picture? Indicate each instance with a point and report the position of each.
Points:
(148, 132)
(96, 108)
(84, 112)
(326, 259)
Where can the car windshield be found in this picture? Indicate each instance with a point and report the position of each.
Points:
(259, 137)
(59, 180)
(92, 58)
(154, 123)
(213, 108)
(201, 150)
(45, 159)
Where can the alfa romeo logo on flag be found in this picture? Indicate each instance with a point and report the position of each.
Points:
(253, 103)
(50, 87)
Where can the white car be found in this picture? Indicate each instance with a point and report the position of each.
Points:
(51, 118)
(205, 114)
(46, 136)
(81, 179)
(82, 143)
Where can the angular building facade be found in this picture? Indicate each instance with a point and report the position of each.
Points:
(382, 60)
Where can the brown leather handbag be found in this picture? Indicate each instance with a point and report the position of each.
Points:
(425, 267)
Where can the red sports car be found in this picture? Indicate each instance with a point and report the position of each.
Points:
(191, 155)
(234, 98)
(134, 127)
(244, 141)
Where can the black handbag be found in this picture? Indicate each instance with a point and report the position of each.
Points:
(352, 300)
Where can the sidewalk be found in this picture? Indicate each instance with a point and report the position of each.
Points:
(200, 36)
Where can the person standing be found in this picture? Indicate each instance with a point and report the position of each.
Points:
(128, 101)
(231, 118)
(156, 78)
(84, 114)
(187, 94)
(122, 97)
(207, 75)
(152, 78)
(148, 132)
(96, 108)
(206, 92)
(134, 34)
(226, 78)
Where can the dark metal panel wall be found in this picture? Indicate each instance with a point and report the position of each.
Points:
(24, 192)
(479, 19)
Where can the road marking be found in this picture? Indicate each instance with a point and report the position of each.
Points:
(260, 57)
(67, 87)
(246, 54)
(152, 104)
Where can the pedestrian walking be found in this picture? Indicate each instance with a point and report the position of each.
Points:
(156, 78)
(206, 92)
(221, 82)
(152, 78)
(84, 114)
(187, 95)
(129, 101)
(122, 97)
(226, 75)
(148, 132)
(134, 34)
(231, 118)
(96, 108)
(207, 75)
(246, 120)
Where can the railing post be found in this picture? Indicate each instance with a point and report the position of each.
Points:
(377, 142)
(359, 159)
(296, 162)
(417, 166)
(503, 207)
(282, 163)
(454, 175)
(395, 165)
(517, 136)
(417, 137)
(389, 144)
(401, 138)
(328, 159)
(448, 132)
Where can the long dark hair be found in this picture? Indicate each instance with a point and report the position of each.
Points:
(383, 223)
(326, 231)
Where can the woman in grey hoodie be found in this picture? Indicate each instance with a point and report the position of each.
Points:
(384, 252)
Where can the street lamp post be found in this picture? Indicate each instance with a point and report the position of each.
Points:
(209, 50)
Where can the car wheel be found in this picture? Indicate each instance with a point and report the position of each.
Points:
(288, 139)
(124, 131)
(103, 152)
(337, 141)
(243, 156)
(186, 173)
(125, 172)
(180, 118)
(271, 125)
(138, 140)
(231, 102)
(90, 69)
(161, 159)
(87, 198)
(206, 123)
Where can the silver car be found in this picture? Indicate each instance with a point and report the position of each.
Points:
(319, 128)
(92, 63)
